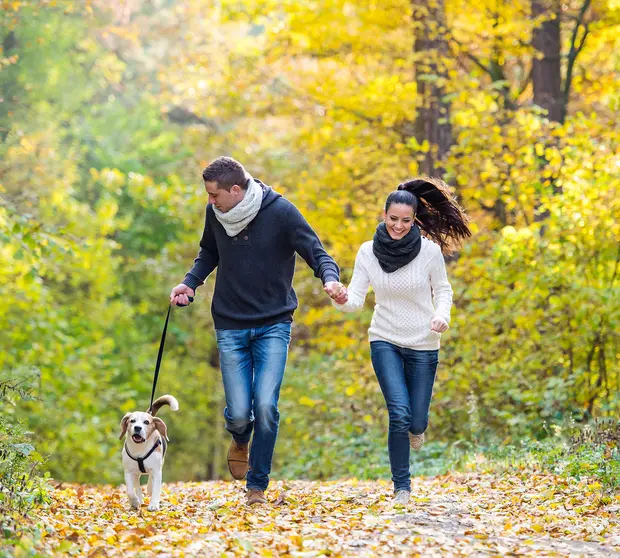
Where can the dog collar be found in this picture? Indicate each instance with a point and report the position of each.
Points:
(141, 460)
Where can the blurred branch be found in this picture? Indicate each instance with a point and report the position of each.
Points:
(185, 117)
(18, 387)
(493, 69)
(574, 50)
(613, 277)
(9, 42)
(525, 83)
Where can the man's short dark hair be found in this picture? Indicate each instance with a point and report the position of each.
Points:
(226, 172)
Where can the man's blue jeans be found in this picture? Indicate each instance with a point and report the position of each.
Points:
(252, 363)
(406, 378)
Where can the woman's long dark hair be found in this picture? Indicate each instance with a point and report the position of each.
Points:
(435, 209)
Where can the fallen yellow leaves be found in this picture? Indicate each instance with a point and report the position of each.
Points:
(453, 515)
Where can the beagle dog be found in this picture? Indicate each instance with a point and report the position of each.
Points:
(146, 438)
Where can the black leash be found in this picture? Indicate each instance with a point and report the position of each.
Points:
(161, 351)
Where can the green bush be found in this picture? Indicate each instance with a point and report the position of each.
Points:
(22, 485)
(590, 451)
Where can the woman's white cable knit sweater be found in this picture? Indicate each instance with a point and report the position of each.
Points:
(406, 299)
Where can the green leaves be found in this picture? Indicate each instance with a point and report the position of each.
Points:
(23, 449)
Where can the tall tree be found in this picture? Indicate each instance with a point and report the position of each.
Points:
(550, 92)
(546, 67)
(433, 117)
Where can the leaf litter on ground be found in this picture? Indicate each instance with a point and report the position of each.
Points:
(458, 514)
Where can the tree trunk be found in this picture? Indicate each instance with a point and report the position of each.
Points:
(433, 117)
(546, 71)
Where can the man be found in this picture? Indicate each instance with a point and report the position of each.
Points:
(251, 235)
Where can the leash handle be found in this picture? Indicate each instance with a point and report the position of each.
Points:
(190, 298)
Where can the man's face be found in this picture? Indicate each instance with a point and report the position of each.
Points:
(223, 199)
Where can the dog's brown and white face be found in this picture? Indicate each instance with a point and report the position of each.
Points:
(140, 427)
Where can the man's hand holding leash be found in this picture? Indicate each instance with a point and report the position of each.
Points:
(182, 295)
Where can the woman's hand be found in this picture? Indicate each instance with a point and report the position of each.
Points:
(439, 325)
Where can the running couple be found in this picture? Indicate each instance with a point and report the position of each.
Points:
(251, 235)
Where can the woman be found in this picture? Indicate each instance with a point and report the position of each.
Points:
(413, 298)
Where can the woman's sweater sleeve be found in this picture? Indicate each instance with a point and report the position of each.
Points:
(442, 291)
(358, 288)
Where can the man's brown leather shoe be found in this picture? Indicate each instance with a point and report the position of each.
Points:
(238, 460)
(255, 496)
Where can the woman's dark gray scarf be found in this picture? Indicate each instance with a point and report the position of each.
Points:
(394, 254)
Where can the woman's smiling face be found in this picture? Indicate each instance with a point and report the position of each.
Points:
(398, 220)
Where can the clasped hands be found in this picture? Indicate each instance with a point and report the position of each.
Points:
(337, 291)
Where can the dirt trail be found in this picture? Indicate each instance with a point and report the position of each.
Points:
(453, 515)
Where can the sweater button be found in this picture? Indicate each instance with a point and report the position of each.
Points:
(245, 238)
(235, 238)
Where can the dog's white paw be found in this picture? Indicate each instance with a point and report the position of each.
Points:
(135, 503)
(153, 506)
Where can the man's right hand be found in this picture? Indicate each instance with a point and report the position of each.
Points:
(180, 295)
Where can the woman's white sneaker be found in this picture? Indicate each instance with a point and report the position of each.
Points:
(402, 497)
(416, 441)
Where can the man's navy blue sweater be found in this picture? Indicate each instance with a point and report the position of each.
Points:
(254, 283)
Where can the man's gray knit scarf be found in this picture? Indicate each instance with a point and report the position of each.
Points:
(240, 216)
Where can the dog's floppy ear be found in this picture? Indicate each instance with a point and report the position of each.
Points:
(160, 426)
(124, 425)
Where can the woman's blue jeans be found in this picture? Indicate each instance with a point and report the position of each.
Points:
(406, 377)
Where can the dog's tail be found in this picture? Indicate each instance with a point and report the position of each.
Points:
(161, 401)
